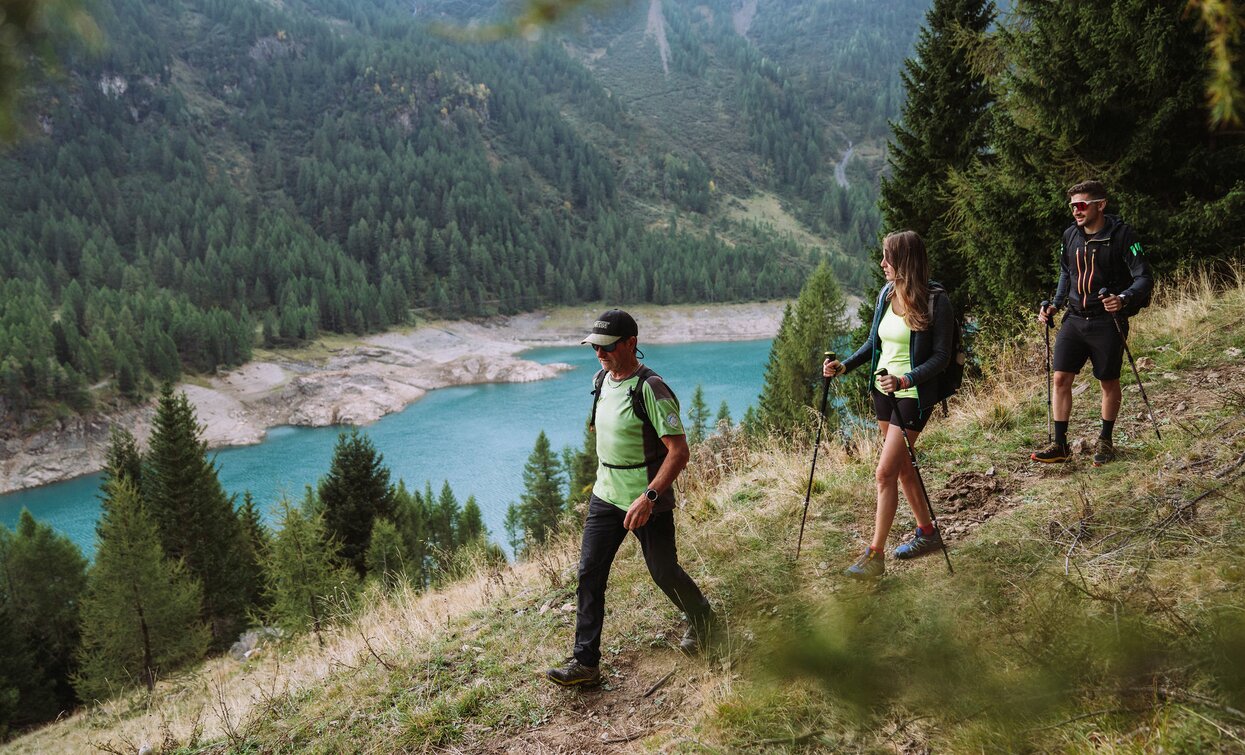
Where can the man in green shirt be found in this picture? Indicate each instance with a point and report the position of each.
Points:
(639, 461)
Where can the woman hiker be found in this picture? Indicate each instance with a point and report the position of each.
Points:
(911, 338)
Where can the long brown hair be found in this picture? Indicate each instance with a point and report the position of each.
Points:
(905, 251)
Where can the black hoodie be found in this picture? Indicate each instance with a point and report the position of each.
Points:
(1111, 259)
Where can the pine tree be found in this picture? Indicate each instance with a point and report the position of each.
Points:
(698, 417)
(793, 372)
(943, 129)
(303, 577)
(141, 611)
(354, 493)
(724, 415)
(194, 516)
(43, 578)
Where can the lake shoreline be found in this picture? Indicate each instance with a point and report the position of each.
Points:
(358, 381)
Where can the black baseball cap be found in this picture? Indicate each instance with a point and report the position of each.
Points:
(610, 327)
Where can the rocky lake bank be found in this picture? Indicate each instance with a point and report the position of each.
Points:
(358, 381)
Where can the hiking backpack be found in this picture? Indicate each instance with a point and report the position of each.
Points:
(636, 395)
(952, 376)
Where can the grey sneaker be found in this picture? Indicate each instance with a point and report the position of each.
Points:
(872, 565)
(1103, 452)
(921, 544)
(575, 674)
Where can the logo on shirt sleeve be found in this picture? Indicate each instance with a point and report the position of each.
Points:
(672, 420)
(1135, 248)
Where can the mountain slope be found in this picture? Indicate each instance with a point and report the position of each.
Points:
(1090, 607)
(293, 168)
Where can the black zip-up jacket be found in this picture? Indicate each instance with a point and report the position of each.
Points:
(1111, 259)
(930, 349)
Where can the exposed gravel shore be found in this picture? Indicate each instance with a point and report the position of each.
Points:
(361, 381)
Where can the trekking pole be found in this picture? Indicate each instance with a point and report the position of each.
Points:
(1150, 411)
(1049, 325)
(821, 421)
(929, 505)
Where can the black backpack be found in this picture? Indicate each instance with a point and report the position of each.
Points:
(636, 394)
(952, 376)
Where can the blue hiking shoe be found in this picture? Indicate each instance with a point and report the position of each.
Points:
(922, 544)
(872, 565)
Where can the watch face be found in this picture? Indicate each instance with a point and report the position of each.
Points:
(650, 494)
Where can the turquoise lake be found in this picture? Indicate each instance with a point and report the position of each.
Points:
(477, 437)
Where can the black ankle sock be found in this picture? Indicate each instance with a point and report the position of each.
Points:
(1061, 433)
(1107, 426)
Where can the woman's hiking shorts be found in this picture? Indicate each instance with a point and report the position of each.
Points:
(909, 416)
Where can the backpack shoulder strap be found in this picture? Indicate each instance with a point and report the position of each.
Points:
(637, 394)
(596, 396)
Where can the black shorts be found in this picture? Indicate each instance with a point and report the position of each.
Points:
(1095, 339)
(909, 416)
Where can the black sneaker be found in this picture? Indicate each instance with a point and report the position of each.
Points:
(575, 674)
(1103, 452)
(1053, 454)
(921, 544)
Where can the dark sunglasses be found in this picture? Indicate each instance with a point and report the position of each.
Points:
(1083, 206)
(607, 349)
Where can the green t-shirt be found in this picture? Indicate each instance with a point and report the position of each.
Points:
(896, 339)
(620, 436)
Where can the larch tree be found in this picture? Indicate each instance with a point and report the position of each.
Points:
(141, 615)
(304, 577)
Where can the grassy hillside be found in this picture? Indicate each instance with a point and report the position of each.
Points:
(1091, 609)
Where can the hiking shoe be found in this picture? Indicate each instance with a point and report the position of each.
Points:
(872, 565)
(1053, 454)
(575, 674)
(697, 640)
(921, 544)
(1103, 452)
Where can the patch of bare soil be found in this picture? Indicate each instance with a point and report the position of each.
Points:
(643, 693)
(968, 499)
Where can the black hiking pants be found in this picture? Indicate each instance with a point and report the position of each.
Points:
(603, 534)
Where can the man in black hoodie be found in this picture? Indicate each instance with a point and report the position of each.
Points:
(1099, 251)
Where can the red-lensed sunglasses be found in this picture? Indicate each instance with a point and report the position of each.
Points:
(1083, 206)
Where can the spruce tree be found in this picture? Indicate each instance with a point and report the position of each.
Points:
(541, 504)
(724, 415)
(141, 612)
(194, 516)
(123, 460)
(43, 578)
(793, 373)
(698, 417)
(302, 570)
(354, 493)
(471, 523)
(256, 541)
(943, 129)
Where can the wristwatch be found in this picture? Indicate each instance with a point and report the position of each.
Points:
(651, 495)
